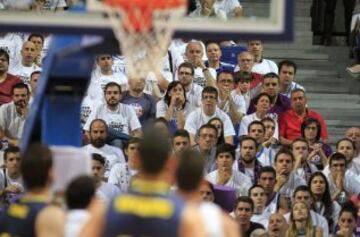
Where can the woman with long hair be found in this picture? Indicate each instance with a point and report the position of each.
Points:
(174, 106)
(347, 221)
(323, 204)
(300, 222)
(220, 128)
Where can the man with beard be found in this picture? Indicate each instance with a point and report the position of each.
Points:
(14, 114)
(7, 81)
(144, 104)
(270, 85)
(120, 118)
(248, 164)
(277, 225)
(98, 136)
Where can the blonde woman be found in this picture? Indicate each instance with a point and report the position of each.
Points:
(300, 223)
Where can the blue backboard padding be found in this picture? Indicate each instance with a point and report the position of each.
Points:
(230, 53)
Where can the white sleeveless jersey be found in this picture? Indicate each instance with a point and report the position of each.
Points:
(211, 217)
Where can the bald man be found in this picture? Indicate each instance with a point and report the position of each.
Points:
(277, 225)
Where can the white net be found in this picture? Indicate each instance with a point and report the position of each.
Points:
(143, 49)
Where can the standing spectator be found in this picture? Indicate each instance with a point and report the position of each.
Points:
(279, 102)
(26, 65)
(291, 120)
(14, 114)
(287, 71)
(144, 104)
(7, 81)
(261, 66)
(98, 137)
(203, 75)
(214, 54)
(208, 111)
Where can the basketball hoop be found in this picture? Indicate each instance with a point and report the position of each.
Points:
(144, 30)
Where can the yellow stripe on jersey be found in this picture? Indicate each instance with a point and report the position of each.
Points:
(145, 207)
(18, 211)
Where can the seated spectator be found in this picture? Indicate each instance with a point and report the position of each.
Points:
(26, 65)
(206, 141)
(120, 118)
(174, 107)
(287, 71)
(257, 194)
(279, 102)
(203, 76)
(347, 220)
(7, 81)
(98, 137)
(79, 195)
(353, 134)
(229, 101)
(244, 210)
(122, 173)
(346, 147)
(144, 104)
(34, 78)
(270, 141)
(180, 141)
(105, 191)
(38, 41)
(261, 66)
(245, 64)
(220, 129)
(262, 106)
(11, 183)
(232, 8)
(225, 175)
(290, 121)
(301, 223)
(242, 87)
(54, 5)
(11, 43)
(214, 54)
(323, 203)
(208, 111)
(14, 114)
(206, 8)
(277, 225)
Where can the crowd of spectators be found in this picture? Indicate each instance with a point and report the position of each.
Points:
(260, 142)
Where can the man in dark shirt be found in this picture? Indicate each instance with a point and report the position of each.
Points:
(244, 209)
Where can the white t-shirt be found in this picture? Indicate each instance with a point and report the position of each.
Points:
(197, 118)
(291, 184)
(238, 181)
(107, 192)
(120, 175)
(98, 81)
(227, 6)
(161, 109)
(199, 77)
(265, 66)
(18, 181)
(218, 13)
(211, 217)
(87, 105)
(351, 183)
(119, 64)
(112, 154)
(10, 122)
(75, 220)
(53, 4)
(123, 119)
(247, 119)
(179, 46)
(24, 72)
(12, 44)
(194, 96)
(239, 102)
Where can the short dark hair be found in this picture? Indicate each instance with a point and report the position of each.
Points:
(20, 85)
(190, 170)
(242, 76)
(225, 147)
(98, 120)
(286, 151)
(154, 150)
(187, 65)
(11, 149)
(38, 36)
(299, 139)
(246, 138)
(4, 53)
(181, 133)
(245, 199)
(210, 90)
(112, 84)
(35, 72)
(133, 140)
(255, 122)
(301, 188)
(224, 72)
(336, 156)
(207, 126)
(309, 121)
(167, 97)
(271, 75)
(99, 158)
(345, 139)
(79, 192)
(35, 165)
(257, 98)
(267, 169)
(254, 186)
(287, 63)
(349, 207)
(268, 119)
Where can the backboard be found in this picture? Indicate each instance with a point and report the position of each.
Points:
(274, 23)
